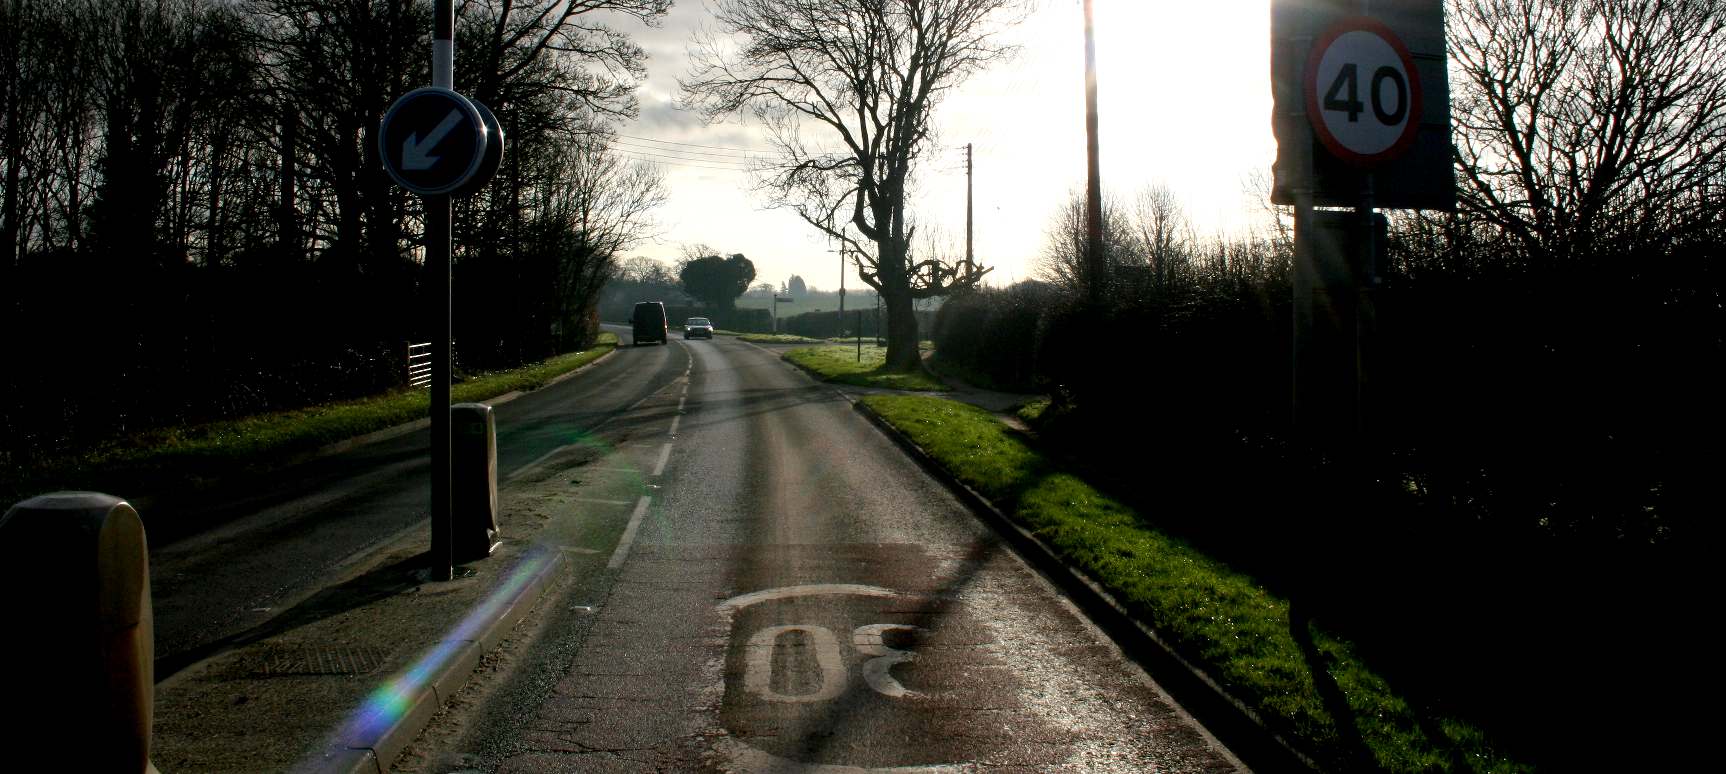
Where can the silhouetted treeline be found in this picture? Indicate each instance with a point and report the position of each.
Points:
(194, 222)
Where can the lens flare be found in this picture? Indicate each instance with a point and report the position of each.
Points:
(386, 705)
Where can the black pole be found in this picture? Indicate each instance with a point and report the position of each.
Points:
(438, 263)
(438, 246)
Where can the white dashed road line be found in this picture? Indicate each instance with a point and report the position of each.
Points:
(628, 540)
(664, 457)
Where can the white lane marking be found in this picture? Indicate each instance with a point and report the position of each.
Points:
(628, 539)
(739, 756)
(681, 400)
(611, 470)
(758, 664)
(599, 501)
(664, 457)
(674, 421)
(788, 592)
(532, 466)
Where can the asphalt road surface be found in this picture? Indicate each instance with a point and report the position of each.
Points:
(226, 562)
(763, 582)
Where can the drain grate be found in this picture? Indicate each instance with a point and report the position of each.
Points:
(282, 661)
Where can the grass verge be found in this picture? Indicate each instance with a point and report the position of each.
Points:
(776, 338)
(840, 363)
(189, 455)
(1215, 617)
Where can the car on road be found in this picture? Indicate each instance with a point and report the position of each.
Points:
(697, 327)
(648, 323)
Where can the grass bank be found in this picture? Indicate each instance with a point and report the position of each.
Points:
(1307, 685)
(187, 455)
(776, 338)
(840, 363)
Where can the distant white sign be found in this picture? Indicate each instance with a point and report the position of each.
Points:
(1363, 93)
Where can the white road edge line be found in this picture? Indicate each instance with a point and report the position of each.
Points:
(664, 457)
(674, 421)
(628, 539)
(600, 502)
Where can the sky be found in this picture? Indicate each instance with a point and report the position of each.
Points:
(1183, 101)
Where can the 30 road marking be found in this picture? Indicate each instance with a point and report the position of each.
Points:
(623, 545)
(813, 589)
(758, 669)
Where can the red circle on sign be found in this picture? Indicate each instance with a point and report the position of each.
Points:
(1309, 83)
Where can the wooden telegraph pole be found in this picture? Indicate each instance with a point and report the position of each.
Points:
(970, 259)
(1094, 258)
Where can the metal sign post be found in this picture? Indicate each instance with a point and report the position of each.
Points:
(439, 244)
(438, 143)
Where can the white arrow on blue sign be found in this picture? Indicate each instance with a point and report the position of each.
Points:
(432, 141)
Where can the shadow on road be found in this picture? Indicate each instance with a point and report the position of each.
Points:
(389, 580)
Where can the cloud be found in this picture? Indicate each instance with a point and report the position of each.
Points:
(661, 118)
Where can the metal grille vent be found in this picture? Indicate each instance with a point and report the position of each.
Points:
(283, 661)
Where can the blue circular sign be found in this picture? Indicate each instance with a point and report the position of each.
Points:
(432, 141)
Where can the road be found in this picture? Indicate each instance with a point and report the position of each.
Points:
(225, 562)
(764, 582)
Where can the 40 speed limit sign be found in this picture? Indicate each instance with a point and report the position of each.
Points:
(1362, 92)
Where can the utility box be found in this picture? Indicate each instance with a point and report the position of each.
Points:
(473, 482)
(79, 644)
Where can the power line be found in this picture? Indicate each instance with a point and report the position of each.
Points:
(675, 157)
(733, 148)
(674, 151)
(683, 164)
(695, 145)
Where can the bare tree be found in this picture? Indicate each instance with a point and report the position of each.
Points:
(605, 204)
(868, 74)
(1589, 127)
(1164, 232)
(646, 271)
(690, 251)
(535, 46)
(1063, 261)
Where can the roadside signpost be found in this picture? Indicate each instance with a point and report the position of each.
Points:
(437, 143)
(1362, 121)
